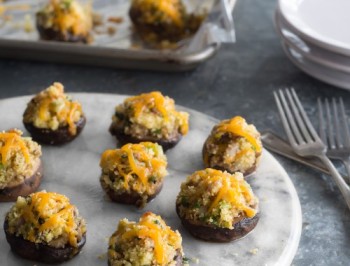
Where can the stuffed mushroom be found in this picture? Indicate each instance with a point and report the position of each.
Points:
(52, 117)
(233, 146)
(147, 242)
(217, 206)
(134, 173)
(45, 227)
(65, 20)
(164, 22)
(149, 117)
(20, 165)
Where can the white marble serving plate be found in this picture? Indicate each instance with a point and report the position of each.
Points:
(74, 170)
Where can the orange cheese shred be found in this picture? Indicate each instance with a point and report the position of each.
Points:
(139, 163)
(237, 126)
(11, 141)
(231, 190)
(71, 125)
(41, 207)
(168, 7)
(47, 110)
(156, 231)
(151, 100)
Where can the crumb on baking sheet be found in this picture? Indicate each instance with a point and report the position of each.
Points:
(97, 19)
(254, 251)
(117, 20)
(111, 30)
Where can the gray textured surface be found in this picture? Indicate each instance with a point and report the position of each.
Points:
(239, 80)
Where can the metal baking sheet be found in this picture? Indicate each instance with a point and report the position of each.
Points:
(19, 38)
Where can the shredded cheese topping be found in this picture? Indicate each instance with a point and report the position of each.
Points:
(239, 127)
(153, 227)
(216, 198)
(68, 15)
(141, 160)
(170, 8)
(154, 102)
(52, 108)
(12, 141)
(45, 212)
(232, 189)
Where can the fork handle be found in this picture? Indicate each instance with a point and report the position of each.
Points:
(344, 189)
(346, 163)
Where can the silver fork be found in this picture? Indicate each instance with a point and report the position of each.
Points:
(334, 130)
(303, 137)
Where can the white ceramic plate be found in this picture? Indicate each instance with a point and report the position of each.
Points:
(323, 22)
(323, 73)
(309, 50)
(74, 170)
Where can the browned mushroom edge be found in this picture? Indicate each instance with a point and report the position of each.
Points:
(25, 188)
(41, 252)
(48, 34)
(54, 137)
(241, 226)
(132, 197)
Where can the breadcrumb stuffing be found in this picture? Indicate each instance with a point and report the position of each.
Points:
(150, 114)
(214, 197)
(48, 218)
(52, 108)
(66, 16)
(235, 149)
(14, 167)
(134, 168)
(147, 242)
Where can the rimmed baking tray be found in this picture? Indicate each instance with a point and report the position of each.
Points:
(19, 38)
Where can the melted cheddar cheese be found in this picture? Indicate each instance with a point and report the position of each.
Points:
(153, 10)
(19, 158)
(137, 167)
(233, 145)
(52, 109)
(151, 114)
(66, 16)
(12, 142)
(239, 127)
(46, 216)
(216, 197)
(154, 240)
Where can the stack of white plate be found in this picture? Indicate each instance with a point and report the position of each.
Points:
(315, 36)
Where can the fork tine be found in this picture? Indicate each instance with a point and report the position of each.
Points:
(321, 121)
(305, 117)
(284, 119)
(345, 122)
(299, 120)
(330, 134)
(287, 106)
(338, 137)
